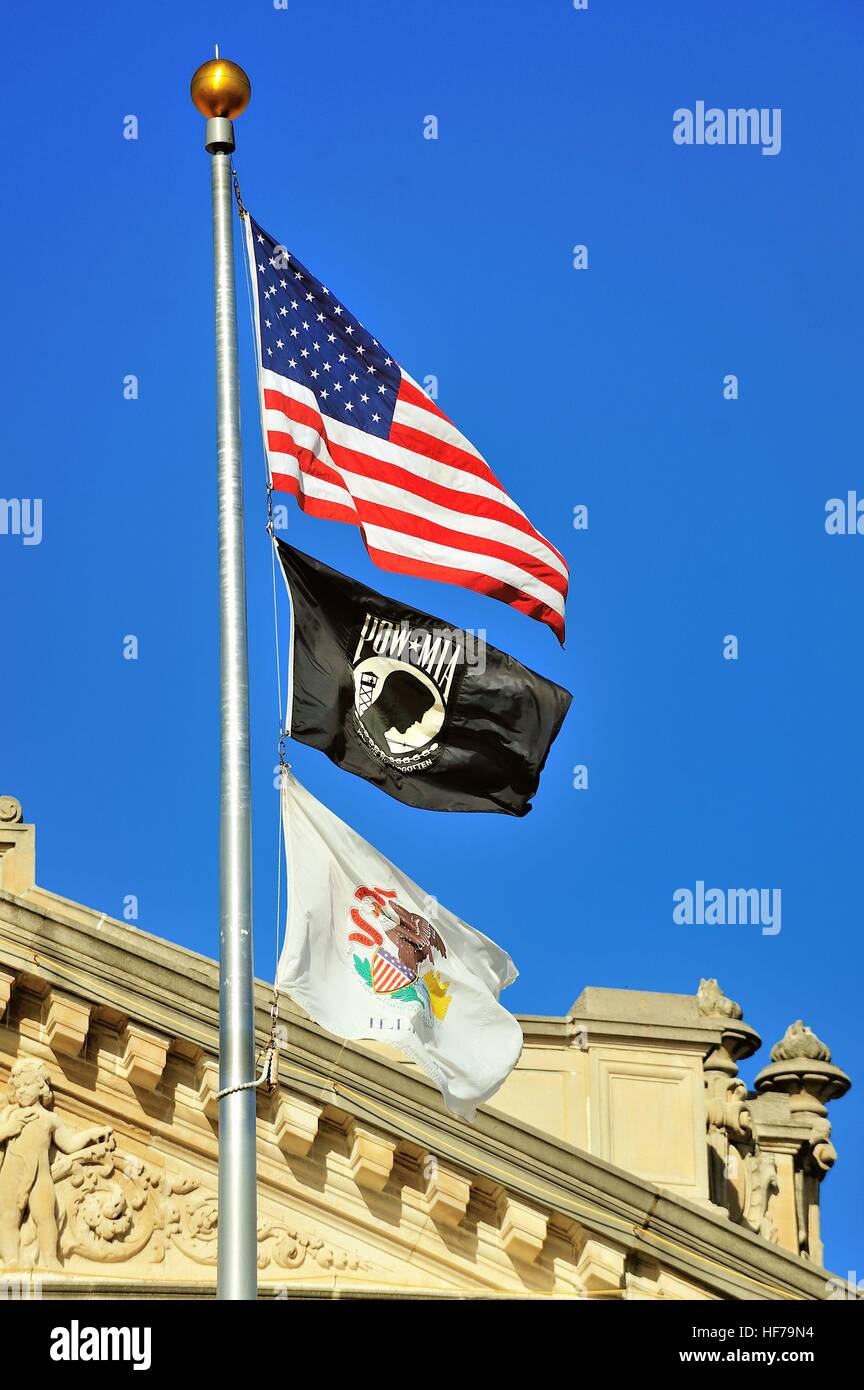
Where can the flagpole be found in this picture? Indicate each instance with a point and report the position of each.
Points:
(221, 91)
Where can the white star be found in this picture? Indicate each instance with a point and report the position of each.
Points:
(338, 309)
(295, 332)
(376, 417)
(304, 352)
(349, 330)
(360, 349)
(364, 398)
(323, 393)
(314, 374)
(353, 376)
(348, 405)
(269, 352)
(284, 284)
(294, 304)
(342, 357)
(261, 268)
(266, 323)
(337, 386)
(283, 311)
(381, 390)
(279, 343)
(310, 298)
(326, 366)
(260, 238)
(331, 337)
(371, 369)
(292, 362)
(388, 361)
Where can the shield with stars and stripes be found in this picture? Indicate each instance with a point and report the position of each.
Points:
(388, 972)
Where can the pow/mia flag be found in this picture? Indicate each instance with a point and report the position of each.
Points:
(429, 714)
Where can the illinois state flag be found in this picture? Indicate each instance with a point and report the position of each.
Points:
(368, 954)
(355, 439)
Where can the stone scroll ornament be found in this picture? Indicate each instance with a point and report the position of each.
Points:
(68, 1197)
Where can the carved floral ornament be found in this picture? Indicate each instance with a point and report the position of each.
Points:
(65, 1194)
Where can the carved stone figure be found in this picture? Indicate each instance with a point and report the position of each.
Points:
(713, 1003)
(28, 1133)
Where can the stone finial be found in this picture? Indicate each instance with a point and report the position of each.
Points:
(800, 1042)
(713, 1003)
(10, 810)
(801, 1068)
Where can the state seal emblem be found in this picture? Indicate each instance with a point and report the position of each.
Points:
(402, 971)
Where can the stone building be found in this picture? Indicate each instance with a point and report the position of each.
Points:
(623, 1159)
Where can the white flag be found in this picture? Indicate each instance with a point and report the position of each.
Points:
(368, 954)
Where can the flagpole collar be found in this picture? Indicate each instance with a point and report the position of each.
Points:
(219, 138)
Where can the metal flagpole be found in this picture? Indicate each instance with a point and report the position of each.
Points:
(221, 91)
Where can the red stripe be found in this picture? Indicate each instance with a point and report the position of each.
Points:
(313, 506)
(416, 440)
(470, 503)
(365, 466)
(295, 410)
(431, 447)
(401, 564)
(411, 523)
(468, 579)
(283, 443)
(414, 396)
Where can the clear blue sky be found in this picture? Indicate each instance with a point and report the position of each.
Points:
(601, 387)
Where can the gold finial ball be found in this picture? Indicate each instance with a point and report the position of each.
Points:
(220, 88)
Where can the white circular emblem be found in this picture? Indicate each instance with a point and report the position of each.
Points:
(399, 707)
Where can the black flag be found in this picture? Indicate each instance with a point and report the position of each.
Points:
(422, 709)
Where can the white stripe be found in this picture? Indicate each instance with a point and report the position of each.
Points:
(311, 486)
(416, 548)
(308, 436)
(390, 495)
(430, 422)
(352, 438)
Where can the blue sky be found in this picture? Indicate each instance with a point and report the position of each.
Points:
(601, 387)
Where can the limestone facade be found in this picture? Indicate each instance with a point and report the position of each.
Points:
(623, 1159)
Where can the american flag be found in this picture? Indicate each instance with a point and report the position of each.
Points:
(354, 438)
